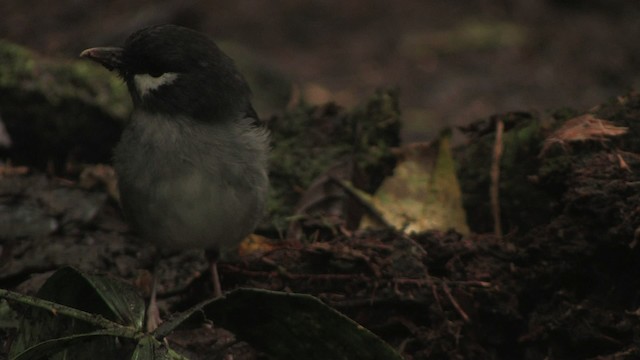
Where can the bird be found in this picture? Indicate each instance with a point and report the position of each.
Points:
(192, 160)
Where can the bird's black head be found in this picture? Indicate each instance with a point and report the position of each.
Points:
(177, 71)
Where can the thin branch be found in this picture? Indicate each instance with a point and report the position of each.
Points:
(494, 192)
(455, 304)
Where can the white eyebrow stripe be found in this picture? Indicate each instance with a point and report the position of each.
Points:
(145, 82)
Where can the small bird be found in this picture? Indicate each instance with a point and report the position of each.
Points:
(192, 161)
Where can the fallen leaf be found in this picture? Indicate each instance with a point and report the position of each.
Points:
(100, 174)
(423, 193)
(255, 244)
(582, 128)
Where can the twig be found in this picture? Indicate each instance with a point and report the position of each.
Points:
(434, 291)
(494, 192)
(430, 280)
(342, 277)
(455, 304)
(290, 276)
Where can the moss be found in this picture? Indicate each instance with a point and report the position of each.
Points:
(60, 79)
(308, 140)
(17, 63)
(523, 204)
(57, 110)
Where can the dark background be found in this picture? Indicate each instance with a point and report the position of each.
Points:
(454, 61)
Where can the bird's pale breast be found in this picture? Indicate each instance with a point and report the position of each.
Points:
(211, 198)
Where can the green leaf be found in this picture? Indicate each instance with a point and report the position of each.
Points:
(46, 348)
(97, 297)
(151, 349)
(290, 326)
(98, 294)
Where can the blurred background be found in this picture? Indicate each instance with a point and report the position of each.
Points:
(453, 61)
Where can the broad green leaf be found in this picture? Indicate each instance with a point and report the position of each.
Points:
(289, 326)
(149, 348)
(45, 349)
(97, 295)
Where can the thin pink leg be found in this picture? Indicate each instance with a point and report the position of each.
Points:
(217, 289)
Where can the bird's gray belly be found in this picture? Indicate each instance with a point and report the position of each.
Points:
(195, 186)
(191, 209)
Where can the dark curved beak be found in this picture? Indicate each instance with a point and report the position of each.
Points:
(109, 57)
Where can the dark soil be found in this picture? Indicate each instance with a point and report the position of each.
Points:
(566, 288)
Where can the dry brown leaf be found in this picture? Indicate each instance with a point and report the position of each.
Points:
(100, 174)
(255, 244)
(582, 128)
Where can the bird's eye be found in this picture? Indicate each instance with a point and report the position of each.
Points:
(155, 73)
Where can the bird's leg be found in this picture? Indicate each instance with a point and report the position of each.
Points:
(153, 313)
(212, 256)
(217, 289)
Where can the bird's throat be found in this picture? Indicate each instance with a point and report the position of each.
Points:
(146, 83)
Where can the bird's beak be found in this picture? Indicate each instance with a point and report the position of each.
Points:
(109, 57)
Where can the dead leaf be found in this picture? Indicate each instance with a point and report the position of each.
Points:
(100, 174)
(255, 244)
(423, 194)
(582, 128)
